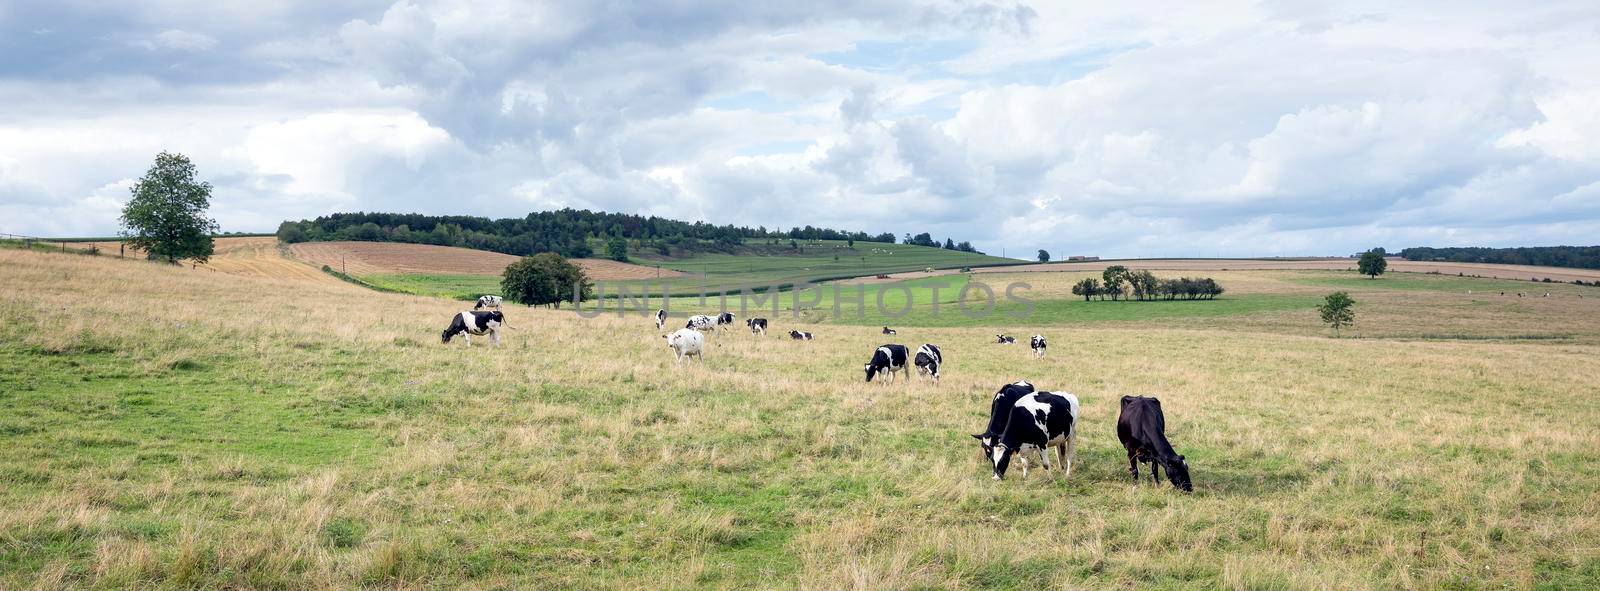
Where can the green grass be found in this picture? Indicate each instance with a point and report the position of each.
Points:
(180, 430)
(717, 273)
(1425, 282)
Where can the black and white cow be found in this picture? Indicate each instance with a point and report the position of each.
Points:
(757, 325)
(475, 323)
(887, 330)
(702, 323)
(999, 413)
(661, 319)
(928, 361)
(888, 358)
(724, 319)
(488, 301)
(1039, 421)
(1142, 428)
(1001, 339)
(1038, 345)
(799, 335)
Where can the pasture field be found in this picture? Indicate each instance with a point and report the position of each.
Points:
(163, 428)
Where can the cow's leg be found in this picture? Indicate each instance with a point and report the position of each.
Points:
(1022, 458)
(1072, 452)
(1044, 461)
(1155, 475)
(1133, 466)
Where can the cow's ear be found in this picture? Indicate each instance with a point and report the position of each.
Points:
(1180, 458)
(977, 436)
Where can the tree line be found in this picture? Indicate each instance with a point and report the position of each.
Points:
(926, 239)
(566, 232)
(1581, 257)
(1117, 282)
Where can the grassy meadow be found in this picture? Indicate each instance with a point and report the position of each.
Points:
(167, 428)
(814, 261)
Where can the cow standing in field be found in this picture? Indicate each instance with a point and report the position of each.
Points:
(701, 323)
(686, 342)
(1000, 412)
(799, 335)
(888, 358)
(475, 323)
(1039, 421)
(1142, 428)
(661, 319)
(928, 361)
(1001, 339)
(724, 319)
(757, 325)
(1038, 345)
(887, 330)
(488, 301)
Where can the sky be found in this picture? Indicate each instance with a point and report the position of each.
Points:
(1094, 128)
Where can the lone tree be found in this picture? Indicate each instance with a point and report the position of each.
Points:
(1372, 263)
(1044, 256)
(167, 215)
(544, 279)
(1337, 310)
(617, 249)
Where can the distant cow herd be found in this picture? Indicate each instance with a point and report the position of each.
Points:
(1024, 423)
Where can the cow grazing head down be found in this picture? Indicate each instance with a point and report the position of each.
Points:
(1178, 473)
(474, 323)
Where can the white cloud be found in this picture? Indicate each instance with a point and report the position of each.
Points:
(1086, 128)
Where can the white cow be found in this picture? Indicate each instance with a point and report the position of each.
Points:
(686, 342)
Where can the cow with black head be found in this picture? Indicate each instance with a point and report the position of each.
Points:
(889, 359)
(475, 323)
(1142, 428)
(1039, 421)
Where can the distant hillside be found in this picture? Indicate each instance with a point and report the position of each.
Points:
(1579, 257)
(572, 233)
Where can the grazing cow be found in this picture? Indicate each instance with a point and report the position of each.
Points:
(475, 323)
(724, 319)
(757, 325)
(686, 342)
(661, 319)
(488, 301)
(928, 361)
(1000, 412)
(701, 323)
(1001, 339)
(888, 358)
(1142, 429)
(799, 335)
(887, 330)
(1039, 421)
(1038, 345)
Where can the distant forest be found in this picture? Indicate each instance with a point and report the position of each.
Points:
(1582, 257)
(566, 232)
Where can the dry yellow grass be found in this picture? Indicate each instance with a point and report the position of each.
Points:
(172, 428)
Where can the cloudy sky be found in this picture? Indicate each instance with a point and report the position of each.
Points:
(1234, 128)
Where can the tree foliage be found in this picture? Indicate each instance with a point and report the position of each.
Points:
(544, 278)
(1044, 256)
(1113, 277)
(1338, 310)
(565, 231)
(1145, 286)
(167, 215)
(1372, 264)
(617, 249)
(1581, 257)
(1088, 288)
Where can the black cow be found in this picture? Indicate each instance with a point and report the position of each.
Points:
(799, 335)
(887, 330)
(1142, 429)
(1038, 345)
(888, 358)
(928, 361)
(1001, 339)
(1000, 412)
(475, 323)
(757, 325)
(1039, 421)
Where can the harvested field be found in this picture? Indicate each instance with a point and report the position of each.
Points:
(248, 256)
(391, 258)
